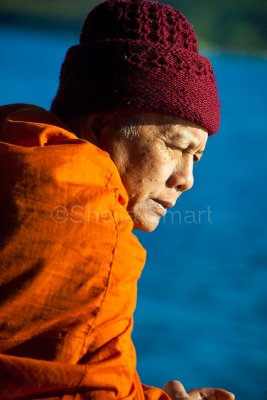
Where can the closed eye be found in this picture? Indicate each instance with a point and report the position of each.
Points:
(196, 157)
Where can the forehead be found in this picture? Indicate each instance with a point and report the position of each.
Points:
(174, 128)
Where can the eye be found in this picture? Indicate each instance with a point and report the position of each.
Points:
(173, 147)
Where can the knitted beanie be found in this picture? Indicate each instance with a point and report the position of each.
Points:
(139, 56)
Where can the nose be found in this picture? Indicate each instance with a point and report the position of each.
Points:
(182, 177)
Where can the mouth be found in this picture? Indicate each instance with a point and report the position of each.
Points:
(164, 204)
(161, 206)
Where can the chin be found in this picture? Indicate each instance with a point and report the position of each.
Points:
(146, 224)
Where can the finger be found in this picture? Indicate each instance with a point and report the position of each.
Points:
(176, 391)
(197, 394)
(211, 394)
(217, 394)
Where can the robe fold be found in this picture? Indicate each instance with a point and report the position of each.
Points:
(69, 266)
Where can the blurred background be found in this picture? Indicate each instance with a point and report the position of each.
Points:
(239, 25)
(202, 308)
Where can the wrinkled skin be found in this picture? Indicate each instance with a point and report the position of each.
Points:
(155, 164)
(176, 391)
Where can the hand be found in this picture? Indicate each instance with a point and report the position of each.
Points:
(176, 391)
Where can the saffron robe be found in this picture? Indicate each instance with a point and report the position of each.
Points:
(69, 266)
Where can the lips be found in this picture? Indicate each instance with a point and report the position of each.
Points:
(164, 203)
(160, 206)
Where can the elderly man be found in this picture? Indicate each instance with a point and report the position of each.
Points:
(132, 115)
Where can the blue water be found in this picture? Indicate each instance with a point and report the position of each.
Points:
(202, 309)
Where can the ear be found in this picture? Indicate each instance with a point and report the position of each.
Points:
(96, 127)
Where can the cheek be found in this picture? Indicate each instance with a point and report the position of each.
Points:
(152, 168)
(159, 164)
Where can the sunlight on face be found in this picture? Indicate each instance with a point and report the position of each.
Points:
(156, 165)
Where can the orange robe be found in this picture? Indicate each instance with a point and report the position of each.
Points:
(69, 266)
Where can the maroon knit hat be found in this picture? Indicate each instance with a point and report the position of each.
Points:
(141, 56)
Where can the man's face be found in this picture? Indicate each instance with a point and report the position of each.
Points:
(156, 165)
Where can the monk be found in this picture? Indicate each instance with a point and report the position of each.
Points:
(134, 109)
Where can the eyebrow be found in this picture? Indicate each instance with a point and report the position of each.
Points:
(188, 138)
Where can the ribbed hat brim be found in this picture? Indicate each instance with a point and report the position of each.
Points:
(122, 74)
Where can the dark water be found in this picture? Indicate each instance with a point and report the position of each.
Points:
(202, 309)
